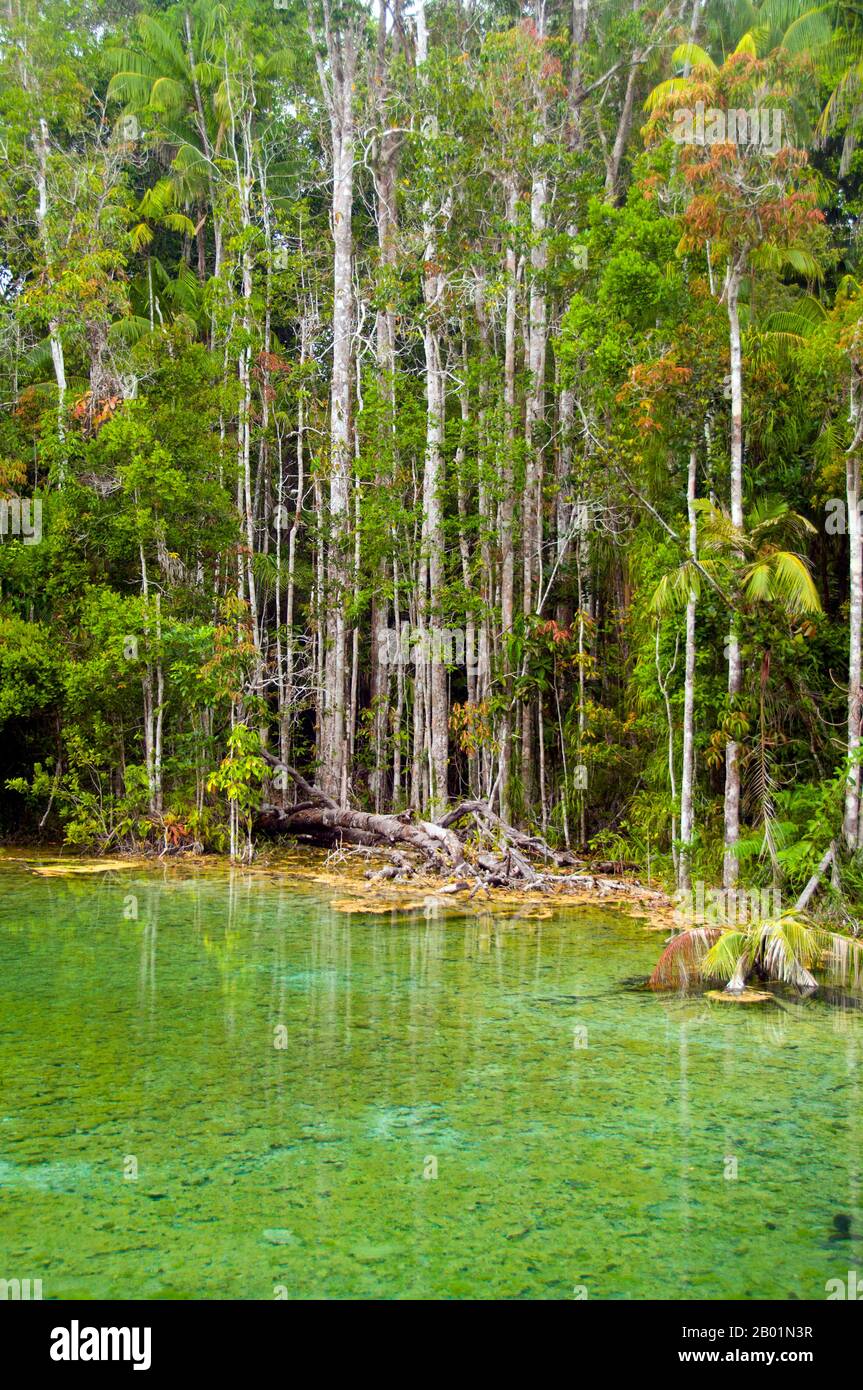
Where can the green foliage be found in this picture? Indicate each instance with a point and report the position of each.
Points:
(168, 257)
(240, 774)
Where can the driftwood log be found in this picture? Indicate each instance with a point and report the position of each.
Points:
(328, 825)
(500, 855)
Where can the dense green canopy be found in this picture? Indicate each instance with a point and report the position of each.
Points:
(449, 401)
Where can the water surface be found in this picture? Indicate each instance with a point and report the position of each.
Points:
(584, 1134)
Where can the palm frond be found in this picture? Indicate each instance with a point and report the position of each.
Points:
(843, 959)
(128, 331)
(783, 576)
(722, 961)
(788, 946)
(140, 236)
(132, 89)
(672, 86)
(690, 54)
(683, 957)
(776, 258)
(675, 589)
(750, 42)
(163, 44)
(167, 94)
(810, 32)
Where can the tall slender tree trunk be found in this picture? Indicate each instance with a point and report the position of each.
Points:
(41, 143)
(580, 9)
(687, 776)
(206, 146)
(694, 25)
(333, 733)
(400, 687)
(534, 424)
(433, 290)
(241, 149)
(851, 824)
(506, 509)
(342, 47)
(624, 124)
(57, 354)
(736, 269)
(465, 554)
(487, 576)
(582, 580)
(385, 170)
(153, 690)
(663, 683)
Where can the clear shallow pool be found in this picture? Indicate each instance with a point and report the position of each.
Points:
(447, 1042)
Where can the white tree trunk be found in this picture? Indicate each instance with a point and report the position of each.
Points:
(57, 355)
(433, 290)
(506, 510)
(579, 30)
(333, 733)
(534, 420)
(687, 775)
(337, 84)
(385, 171)
(736, 270)
(855, 626)
(663, 682)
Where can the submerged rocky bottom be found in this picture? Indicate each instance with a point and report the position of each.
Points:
(218, 1085)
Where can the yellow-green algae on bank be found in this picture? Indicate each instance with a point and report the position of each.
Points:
(346, 875)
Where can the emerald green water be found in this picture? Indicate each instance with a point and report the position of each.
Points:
(447, 1041)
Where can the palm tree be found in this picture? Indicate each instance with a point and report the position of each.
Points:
(828, 32)
(741, 209)
(785, 949)
(765, 573)
(165, 80)
(680, 587)
(157, 208)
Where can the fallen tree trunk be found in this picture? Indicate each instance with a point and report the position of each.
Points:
(327, 824)
(501, 854)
